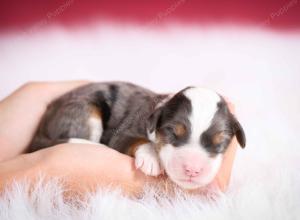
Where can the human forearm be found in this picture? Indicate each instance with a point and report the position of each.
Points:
(84, 168)
(81, 169)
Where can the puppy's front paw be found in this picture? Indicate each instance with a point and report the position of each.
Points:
(147, 161)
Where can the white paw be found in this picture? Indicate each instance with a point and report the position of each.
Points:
(147, 161)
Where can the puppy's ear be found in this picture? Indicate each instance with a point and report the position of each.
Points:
(152, 122)
(238, 131)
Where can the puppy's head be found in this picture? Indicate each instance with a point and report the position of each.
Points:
(193, 130)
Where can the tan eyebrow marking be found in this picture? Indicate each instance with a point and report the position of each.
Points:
(218, 138)
(180, 130)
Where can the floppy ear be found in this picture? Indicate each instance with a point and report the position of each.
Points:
(152, 122)
(238, 131)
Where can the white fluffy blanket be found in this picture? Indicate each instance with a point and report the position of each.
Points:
(258, 70)
(273, 194)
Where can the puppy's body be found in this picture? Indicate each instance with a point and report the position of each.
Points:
(114, 114)
(186, 133)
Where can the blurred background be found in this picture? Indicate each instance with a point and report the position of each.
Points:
(248, 51)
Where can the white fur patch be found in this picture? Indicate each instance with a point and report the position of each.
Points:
(204, 106)
(96, 129)
(146, 159)
(81, 141)
(151, 136)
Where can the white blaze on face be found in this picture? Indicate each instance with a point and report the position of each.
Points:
(204, 106)
(174, 159)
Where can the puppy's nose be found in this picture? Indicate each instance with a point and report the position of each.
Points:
(192, 171)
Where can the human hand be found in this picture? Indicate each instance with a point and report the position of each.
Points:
(222, 178)
(81, 167)
(85, 167)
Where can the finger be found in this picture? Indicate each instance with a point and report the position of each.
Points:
(230, 104)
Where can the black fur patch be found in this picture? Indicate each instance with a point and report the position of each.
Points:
(175, 111)
(113, 93)
(221, 131)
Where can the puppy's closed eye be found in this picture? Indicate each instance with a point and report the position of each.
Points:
(177, 131)
(175, 134)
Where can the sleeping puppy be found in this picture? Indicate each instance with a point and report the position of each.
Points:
(184, 134)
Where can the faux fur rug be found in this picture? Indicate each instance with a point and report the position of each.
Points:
(273, 194)
(258, 70)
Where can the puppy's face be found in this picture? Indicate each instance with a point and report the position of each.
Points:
(193, 130)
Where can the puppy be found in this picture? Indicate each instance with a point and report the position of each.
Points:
(185, 134)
